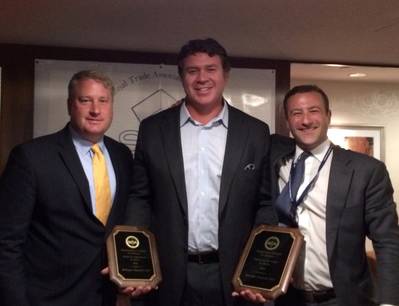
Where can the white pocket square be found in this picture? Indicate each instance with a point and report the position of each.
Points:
(249, 167)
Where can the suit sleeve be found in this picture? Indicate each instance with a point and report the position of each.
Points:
(138, 211)
(382, 225)
(17, 200)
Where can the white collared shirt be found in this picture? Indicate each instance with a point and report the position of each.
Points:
(312, 271)
(203, 147)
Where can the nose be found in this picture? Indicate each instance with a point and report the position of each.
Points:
(95, 108)
(202, 76)
(306, 119)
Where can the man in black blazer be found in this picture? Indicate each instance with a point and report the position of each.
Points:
(350, 197)
(51, 240)
(201, 183)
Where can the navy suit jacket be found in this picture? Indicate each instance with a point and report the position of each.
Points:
(51, 244)
(359, 204)
(159, 195)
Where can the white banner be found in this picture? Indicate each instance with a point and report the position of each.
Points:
(141, 90)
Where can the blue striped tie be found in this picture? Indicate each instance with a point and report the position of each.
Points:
(286, 208)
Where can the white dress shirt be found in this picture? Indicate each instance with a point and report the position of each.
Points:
(312, 272)
(203, 148)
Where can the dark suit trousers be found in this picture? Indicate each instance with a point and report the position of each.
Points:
(203, 286)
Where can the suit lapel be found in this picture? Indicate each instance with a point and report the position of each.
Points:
(115, 160)
(170, 131)
(71, 159)
(341, 174)
(282, 149)
(235, 144)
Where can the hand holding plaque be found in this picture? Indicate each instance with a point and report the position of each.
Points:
(268, 260)
(133, 257)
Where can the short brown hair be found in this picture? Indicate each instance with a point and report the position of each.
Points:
(89, 75)
(209, 46)
(305, 89)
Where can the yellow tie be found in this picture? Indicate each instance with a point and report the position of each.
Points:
(101, 185)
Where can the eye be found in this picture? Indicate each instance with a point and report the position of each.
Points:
(211, 69)
(83, 99)
(314, 110)
(191, 71)
(296, 113)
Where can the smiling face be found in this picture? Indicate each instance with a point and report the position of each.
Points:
(308, 119)
(90, 109)
(204, 80)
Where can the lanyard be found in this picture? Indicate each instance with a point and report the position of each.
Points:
(311, 183)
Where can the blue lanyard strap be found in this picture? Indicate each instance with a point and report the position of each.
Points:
(296, 202)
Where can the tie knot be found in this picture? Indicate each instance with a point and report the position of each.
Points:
(304, 155)
(96, 149)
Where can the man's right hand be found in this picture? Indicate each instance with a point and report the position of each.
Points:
(131, 291)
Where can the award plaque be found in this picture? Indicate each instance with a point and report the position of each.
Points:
(133, 257)
(268, 260)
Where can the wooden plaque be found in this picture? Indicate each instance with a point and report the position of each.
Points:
(133, 257)
(268, 260)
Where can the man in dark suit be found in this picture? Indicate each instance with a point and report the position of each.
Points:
(344, 197)
(201, 183)
(53, 225)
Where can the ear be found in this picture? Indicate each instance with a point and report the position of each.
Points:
(226, 75)
(69, 106)
(286, 120)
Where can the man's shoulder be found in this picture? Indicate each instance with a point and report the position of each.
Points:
(360, 159)
(40, 151)
(171, 112)
(116, 145)
(281, 140)
(235, 112)
(43, 141)
(281, 147)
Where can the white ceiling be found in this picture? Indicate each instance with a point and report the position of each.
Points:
(333, 31)
(324, 72)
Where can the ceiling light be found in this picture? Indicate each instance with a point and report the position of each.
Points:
(336, 65)
(357, 75)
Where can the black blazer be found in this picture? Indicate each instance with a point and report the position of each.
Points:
(359, 204)
(159, 195)
(51, 244)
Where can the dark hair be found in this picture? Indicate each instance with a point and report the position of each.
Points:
(304, 89)
(89, 75)
(208, 46)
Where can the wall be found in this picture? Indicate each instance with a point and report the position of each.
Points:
(17, 83)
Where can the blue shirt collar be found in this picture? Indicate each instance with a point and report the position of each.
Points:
(222, 117)
(82, 145)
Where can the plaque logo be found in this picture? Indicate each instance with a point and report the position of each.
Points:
(272, 243)
(132, 242)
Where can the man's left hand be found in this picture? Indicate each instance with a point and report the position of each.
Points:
(251, 296)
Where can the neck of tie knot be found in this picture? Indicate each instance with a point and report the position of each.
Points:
(304, 155)
(96, 149)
